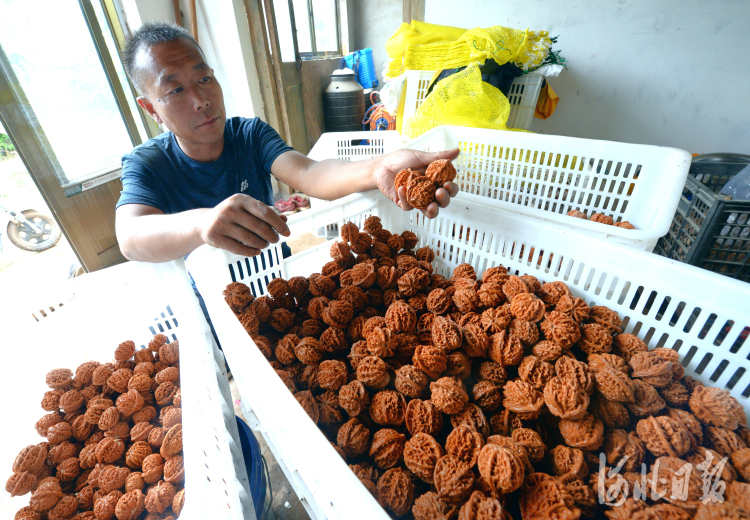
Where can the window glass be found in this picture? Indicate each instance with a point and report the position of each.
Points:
(302, 20)
(326, 32)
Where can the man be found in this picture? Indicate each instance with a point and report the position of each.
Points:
(207, 180)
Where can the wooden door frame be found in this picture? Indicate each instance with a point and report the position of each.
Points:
(413, 10)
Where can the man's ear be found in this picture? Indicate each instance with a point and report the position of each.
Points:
(149, 107)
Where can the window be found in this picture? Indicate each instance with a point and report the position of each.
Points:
(67, 66)
(318, 28)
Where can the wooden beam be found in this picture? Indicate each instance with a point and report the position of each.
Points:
(273, 37)
(193, 20)
(261, 53)
(177, 12)
(413, 10)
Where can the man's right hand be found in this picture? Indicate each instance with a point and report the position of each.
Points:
(242, 225)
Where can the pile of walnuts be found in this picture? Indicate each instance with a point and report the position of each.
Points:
(489, 397)
(601, 218)
(421, 187)
(113, 444)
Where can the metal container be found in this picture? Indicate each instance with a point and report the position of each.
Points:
(343, 104)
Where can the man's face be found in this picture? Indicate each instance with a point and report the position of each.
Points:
(182, 92)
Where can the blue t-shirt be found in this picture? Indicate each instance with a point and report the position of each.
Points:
(159, 174)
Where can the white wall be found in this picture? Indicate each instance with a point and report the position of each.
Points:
(371, 24)
(224, 36)
(664, 72)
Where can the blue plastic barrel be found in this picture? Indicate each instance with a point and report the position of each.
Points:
(254, 465)
(363, 65)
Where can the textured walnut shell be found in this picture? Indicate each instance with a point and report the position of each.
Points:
(723, 441)
(104, 507)
(491, 294)
(152, 468)
(448, 394)
(381, 342)
(619, 444)
(131, 505)
(68, 470)
(101, 374)
(576, 308)
(423, 417)
(66, 507)
(459, 364)
(388, 408)
(568, 460)
(453, 479)
(586, 433)
(281, 320)
(338, 314)
(164, 393)
(522, 399)
(536, 372)
(307, 401)
(119, 379)
(137, 453)
(353, 398)
(646, 400)
(476, 341)
(431, 360)
(514, 286)
(46, 495)
(174, 470)
(112, 478)
(413, 281)
(560, 329)
(505, 349)
(410, 381)
(438, 302)
(51, 400)
(332, 374)
(495, 320)
(395, 491)
(387, 448)
(473, 417)
(400, 317)
(349, 232)
(420, 192)
(660, 479)
(431, 507)
(59, 432)
(59, 378)
(71, 401)
(717, 407)
(466, 300)
(651, 368)
(501, 468)
(353, 437)
(675, 394)
(487, 395)
(134, 481)
(565, 398)
(628, 345)
(524, 330)
(109, 450)
(527, 306)
(611, 382)
(129, 402)
(373, 372)
(465, 443)
(667, 354)
(172, 444)
(21, 483)
(663, 436)
(109, 418)
(595, 339)
(446, 335)
(308, 351)
(691, 424)
(607, 318)
(238, 296)
(30, 459)
(159, 497)
(441, 171)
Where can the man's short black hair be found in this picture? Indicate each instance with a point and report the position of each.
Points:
(147, 35)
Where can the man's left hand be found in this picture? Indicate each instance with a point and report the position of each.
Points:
(385, 176)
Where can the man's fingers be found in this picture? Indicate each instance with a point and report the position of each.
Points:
(428, 157)
(442, 197)
(247, 237)
(402, 202)
(266, 214)
(235, 247)
(254, 225)
(432, 210)
(452, 188)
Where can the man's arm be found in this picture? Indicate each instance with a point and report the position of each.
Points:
(240, 224)
(332, 179)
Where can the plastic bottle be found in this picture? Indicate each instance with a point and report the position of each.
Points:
(738, 186)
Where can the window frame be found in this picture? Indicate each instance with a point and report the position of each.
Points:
(315, 54)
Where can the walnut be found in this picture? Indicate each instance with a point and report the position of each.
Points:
(152, 468)
(618, 444)
(717, 407)
(129, 402)
(627, 345)
(172, 443)
(487, 395)
(505, 348)
(527, 306)
(164, 393)
(362, 244)
(387, 448)
(568, 460)
(493, 372)
(21, 483)
(349, 232)
(473, 417)
(675, 394)
(667, 354)
(585, 433)
(536, 372)
(285, 349)
(522, 399)
(59, 432)
(373, 372)
(495, 320)
(547, 351)
(607, 318)
(646, 400)
(51, 400)
(491, 294)
(453, 479)
(441, 171)
(413, 281)
(465, 443)
(353, 398)
(332, 375)
(387, 277)
(610, 381)
(501, 468)
(119, 379)
(281, 320)
(329, 409)
(131, 505)
(431, 507)
(514, 286)
(71, 401)
(577, 214)
(481, 507)
(560, 329)
(134, 481)
(660, 481)
(381, 342)
(395, 243)
(137, 453)
(101, 374)
(448, 395)
(321, 285)
(68, 470)
(652, 369)
(531, 442)
(178, 502)
(388, 408)
(109, 418)
(109, 450)
(159, 497)
(353, 437)
(420, 192)
(112, 478)
(663, 436)
(602, 219)
(410, 381)
(430, 360)
(357, 353)
(565, 398)
(395, 491)
(59, 378)
(446, 335)
(576, 308)
(466, 300)
(238, 296)
(174, 470)
(46, 495)
(423, 417)
(338, 314)
(459, 364)
(30, 459)
(65, 508)
(400, 317)
(308, 351)
(691, 424)
(595, 339)
(722, 440)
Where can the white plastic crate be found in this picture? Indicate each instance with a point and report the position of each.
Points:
(350, 146)
(546, 176)
(134, 301)
(523, 95)
(702, 315)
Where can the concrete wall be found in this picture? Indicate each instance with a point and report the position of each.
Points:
(371, 24)
(224, 36)
(670, 72)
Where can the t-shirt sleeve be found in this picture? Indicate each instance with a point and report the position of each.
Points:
(266, 143)
(139, 185)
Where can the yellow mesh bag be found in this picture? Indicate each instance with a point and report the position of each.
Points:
(462, 99)
(424, 47)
